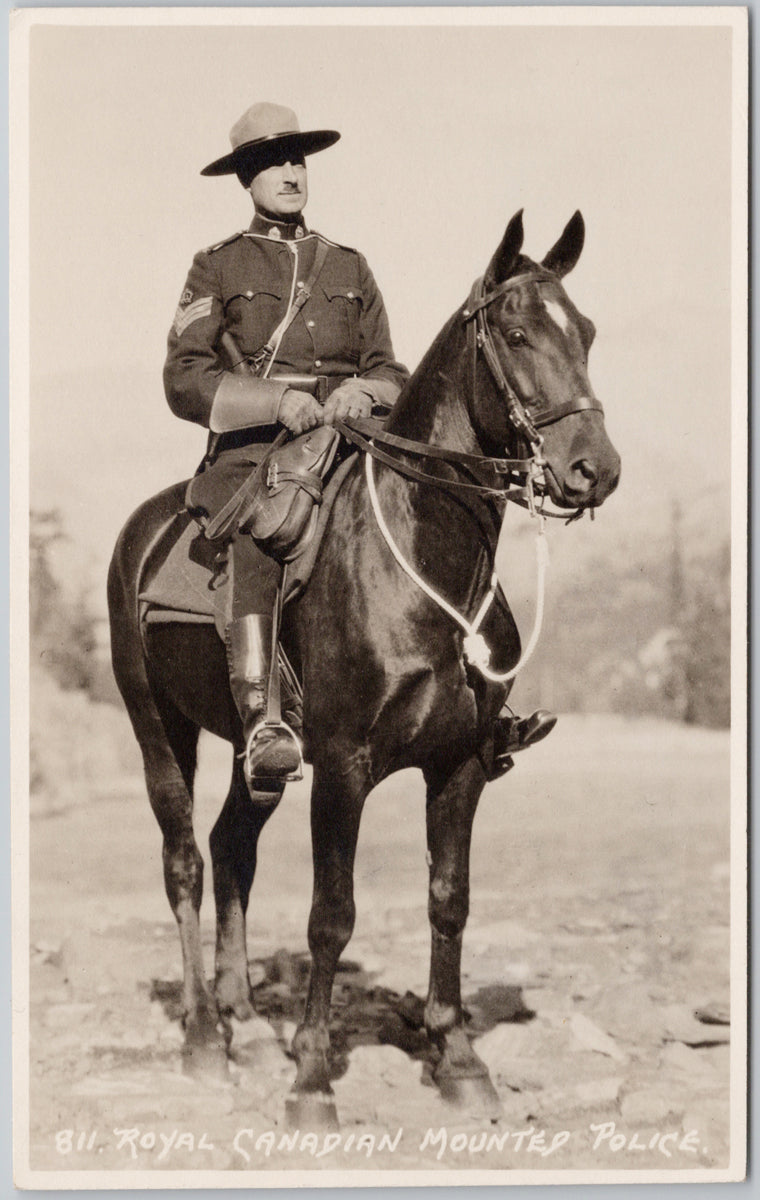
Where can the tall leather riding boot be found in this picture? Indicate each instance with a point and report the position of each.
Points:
(272, 751)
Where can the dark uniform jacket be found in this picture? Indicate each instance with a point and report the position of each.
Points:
(246, 285)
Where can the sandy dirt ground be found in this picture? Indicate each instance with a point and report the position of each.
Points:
(595, 973)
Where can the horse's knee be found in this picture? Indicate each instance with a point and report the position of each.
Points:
(448, 906)
(233, 856)
(220, 843)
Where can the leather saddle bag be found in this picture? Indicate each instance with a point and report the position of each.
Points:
(277, 504)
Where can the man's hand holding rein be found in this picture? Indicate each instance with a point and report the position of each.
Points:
(351, 399)
(299, 411)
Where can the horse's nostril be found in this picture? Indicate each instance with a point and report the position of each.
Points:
(586, 469)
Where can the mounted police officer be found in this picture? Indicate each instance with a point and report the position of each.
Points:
(306, 315)
(295, 305)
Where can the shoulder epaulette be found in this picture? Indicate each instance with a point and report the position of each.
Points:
(337, 245)
(218, 245)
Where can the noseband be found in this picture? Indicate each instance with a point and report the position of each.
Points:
(479, 337)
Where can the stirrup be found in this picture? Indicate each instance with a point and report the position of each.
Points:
(518, 733)
(287, 774)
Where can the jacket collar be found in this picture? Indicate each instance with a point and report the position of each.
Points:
(285, 231)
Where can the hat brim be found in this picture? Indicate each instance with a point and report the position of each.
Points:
(306, 143)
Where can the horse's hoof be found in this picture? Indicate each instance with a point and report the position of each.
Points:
(472, 1094)
(204, 1062)
(311, 1112)
(233, 996)
(241, 1010)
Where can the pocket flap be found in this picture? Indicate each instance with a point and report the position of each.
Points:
(253, 293)
(343, 291)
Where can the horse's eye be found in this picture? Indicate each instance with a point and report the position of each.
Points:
(516, 337)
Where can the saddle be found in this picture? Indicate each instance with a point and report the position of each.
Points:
(188, 576)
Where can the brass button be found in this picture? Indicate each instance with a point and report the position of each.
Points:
(317, 362)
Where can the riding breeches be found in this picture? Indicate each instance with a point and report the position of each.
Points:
(255, 577)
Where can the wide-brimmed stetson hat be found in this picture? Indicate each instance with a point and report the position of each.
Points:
(263, 129)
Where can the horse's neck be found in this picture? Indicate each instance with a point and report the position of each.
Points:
(433, 406)
(454, 539)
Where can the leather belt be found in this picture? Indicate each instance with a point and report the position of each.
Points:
(319, 386)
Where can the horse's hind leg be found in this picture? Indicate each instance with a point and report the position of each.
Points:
(169, 750)
(233, 853)
(451, 803)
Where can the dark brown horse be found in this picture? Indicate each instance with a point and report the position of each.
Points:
(386, 683)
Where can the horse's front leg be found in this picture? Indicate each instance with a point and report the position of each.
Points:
(233, 842)
(451, 803)
(336, 807)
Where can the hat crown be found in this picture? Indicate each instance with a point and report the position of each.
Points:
(263, 120)
(263, 128)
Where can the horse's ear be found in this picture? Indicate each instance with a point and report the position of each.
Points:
(565, 253)
(504, 260)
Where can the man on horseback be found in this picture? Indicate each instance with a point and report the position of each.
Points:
(306, 317)
(277, 327)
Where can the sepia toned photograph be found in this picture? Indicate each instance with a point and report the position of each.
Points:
(379, 541)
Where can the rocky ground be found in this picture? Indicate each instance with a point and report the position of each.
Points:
(595, 972)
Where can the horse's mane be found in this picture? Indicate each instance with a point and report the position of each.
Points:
(416, 386)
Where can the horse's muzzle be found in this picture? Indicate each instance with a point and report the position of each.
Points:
(586, 484)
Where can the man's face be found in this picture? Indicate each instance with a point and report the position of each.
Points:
(281, 187)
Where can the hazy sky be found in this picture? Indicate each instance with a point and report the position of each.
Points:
(447, 131)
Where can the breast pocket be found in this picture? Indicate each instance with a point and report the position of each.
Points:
(252, 316)
(344, 305)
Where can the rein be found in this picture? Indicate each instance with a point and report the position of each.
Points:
(365, 433)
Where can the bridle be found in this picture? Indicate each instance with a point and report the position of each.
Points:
(371, 437)
(523, 475)
(480, 338)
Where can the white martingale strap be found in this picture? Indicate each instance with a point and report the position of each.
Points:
(192, 312)
(475, 647)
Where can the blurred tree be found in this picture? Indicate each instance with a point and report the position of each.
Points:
(62, 630)
(706, 628)
(45, 528)
(641, 635)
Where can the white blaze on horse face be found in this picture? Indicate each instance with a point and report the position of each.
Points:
(557, 314)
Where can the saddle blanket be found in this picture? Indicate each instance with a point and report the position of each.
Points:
(193, 583)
